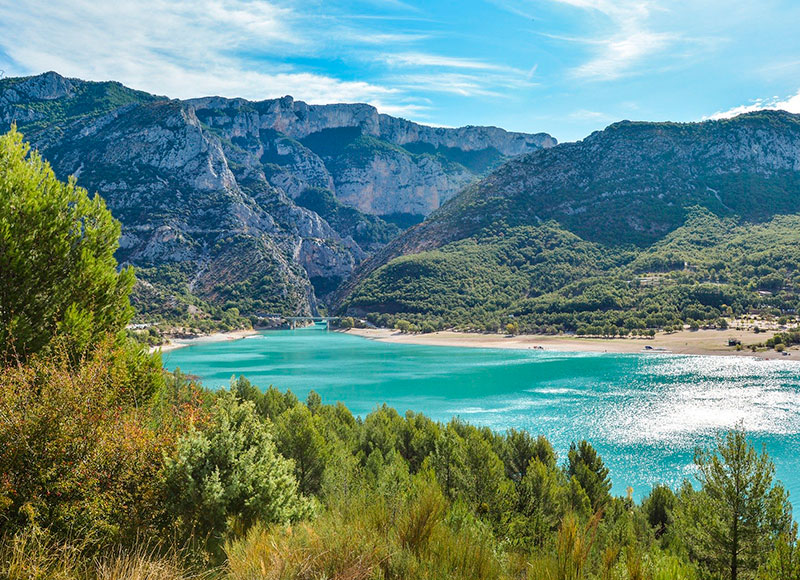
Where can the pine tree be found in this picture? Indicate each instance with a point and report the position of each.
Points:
(589, 470)
(58, 274)
(733, 522)
(230, 474)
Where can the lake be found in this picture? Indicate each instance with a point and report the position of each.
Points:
(645, 413)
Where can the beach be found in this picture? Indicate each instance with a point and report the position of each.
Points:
(699, 342)
(176, 343)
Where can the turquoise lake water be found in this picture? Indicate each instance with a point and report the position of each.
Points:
(645, 413)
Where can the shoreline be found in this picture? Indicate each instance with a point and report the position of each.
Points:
(177, 343)
(699, 342)
(686, 342)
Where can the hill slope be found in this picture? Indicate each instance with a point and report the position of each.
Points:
(230, 206)
(642, 225)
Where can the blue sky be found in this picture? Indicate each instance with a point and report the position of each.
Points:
(566, 67)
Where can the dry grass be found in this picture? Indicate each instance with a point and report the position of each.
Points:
(32, 555)
(304, 553)
(143, 564)
(370, 542)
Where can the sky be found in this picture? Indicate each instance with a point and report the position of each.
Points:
(566, 67)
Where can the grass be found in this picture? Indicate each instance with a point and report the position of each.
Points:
(422, 538)
(34, 555)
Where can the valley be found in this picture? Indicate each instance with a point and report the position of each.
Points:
(399, 290)
(231, 208)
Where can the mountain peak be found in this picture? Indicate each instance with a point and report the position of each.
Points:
(45, 87)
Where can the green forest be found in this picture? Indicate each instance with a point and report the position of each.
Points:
(548, 280)
(112, 468)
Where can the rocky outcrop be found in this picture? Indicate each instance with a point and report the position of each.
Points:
(168, 180)
(359, 154)
(45, 87)
(258, 205)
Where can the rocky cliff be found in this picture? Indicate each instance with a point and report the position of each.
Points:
(378, 164)
(259, 206)
(626, 193)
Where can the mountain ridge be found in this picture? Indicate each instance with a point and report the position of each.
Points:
(621, 190)
(224, 212)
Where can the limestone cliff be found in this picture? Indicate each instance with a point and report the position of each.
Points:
(260, 206)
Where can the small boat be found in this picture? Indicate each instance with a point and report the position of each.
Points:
(659, 349)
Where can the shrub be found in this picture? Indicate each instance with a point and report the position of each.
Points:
(77, 455)
(229, 475)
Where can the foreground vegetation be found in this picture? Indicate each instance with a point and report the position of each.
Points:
(111, 468)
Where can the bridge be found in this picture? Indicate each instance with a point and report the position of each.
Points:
(294, 320)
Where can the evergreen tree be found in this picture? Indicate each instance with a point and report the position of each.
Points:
(658, 508)
(231, 474)
(58, 275)
(520, 447)
(448, 461)
(733, 522)
(541, 500)
(298, 438)
(589, 470)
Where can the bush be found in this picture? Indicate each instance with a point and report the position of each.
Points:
(410, 535)
(427, 327)
(77, 454)
(229, 475)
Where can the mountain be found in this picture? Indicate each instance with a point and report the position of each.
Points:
(235, 207)
(642, 225)
(375, 163)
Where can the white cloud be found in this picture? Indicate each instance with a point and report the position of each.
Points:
(587, 115)
(790, 104)
(626, 35)
(464, 77)
(417, 59)
(382, 39)
(239, 48)
(465, 84)
(629, 44)
(617, 56)
(181, 49)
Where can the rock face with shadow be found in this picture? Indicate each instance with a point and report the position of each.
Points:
(260, 206)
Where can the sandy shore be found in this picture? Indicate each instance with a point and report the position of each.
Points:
(701, 342)
(176, 343)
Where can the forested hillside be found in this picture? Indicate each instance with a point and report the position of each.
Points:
(232, 208)
(641, 226)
